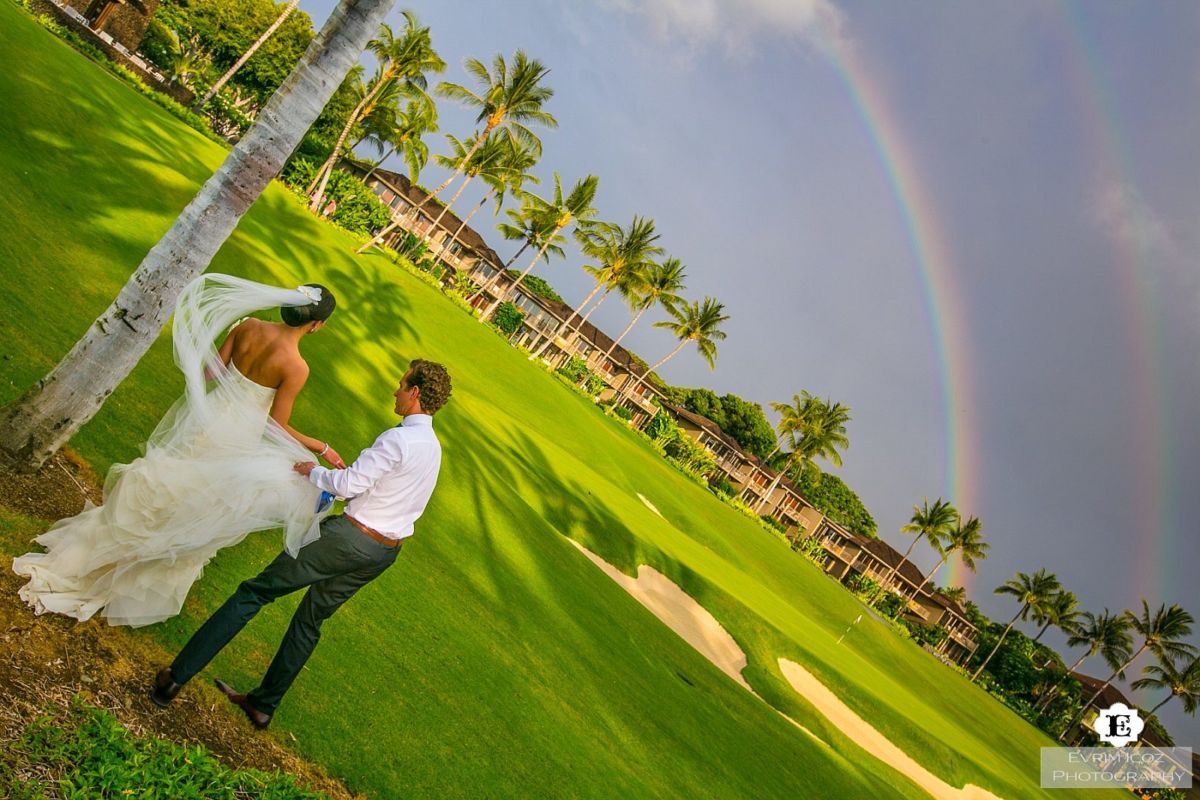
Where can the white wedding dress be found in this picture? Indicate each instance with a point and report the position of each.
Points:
(216, 468)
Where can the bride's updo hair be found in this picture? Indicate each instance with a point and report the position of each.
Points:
(317, 311)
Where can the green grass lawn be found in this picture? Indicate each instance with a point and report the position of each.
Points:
(493, 660)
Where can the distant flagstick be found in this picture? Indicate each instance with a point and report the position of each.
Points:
(848, 627)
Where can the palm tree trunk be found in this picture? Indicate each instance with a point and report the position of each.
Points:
(1165, 700)
(317, 188)
(216, 87)
(1078, 716)
(999, 642)
(320, 173)
(378, 164)
(445, 208)
(361, 110)
(501, 296)
(762, 501)
(932, 572)
(567, 324)
(1045, 628)
(490, 282)
(1052, 692)
(49, 414)
(892, 575)
(416, 211)
(661, 361)
(628, 328)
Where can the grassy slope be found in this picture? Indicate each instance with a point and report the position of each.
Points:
(493, 659)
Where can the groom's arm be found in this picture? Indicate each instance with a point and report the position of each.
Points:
(371, 465)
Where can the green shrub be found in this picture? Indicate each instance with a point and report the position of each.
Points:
(863, 584)
(357, 208)
(931, 635)
(720, 485)
(83, 751)
(774, 523)
(809, 547)
(159, 45)
(663, 426)
(508, 317)
(889, 604)
(622, 412)
(691, 455)
(536, 285)
(573, 369)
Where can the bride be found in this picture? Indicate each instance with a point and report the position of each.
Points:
(217, 467)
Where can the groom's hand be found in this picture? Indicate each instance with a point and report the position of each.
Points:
(304, 467)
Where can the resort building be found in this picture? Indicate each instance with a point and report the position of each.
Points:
(457, 247)
(848, 554)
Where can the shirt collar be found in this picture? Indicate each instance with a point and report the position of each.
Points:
(417, 420)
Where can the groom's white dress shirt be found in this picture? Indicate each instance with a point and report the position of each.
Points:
(390, 482)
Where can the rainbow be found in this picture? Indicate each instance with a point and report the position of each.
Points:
(946, 306)
(1150, 492)
(943, 296)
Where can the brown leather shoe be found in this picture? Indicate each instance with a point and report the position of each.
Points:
(258, 719)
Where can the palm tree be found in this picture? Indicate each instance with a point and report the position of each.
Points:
(932, 522)
(697, 322)
(508, 101)
(1107, 634)
(274, 26)
(472, 161)
(1032, 591)
(405, 60)
(791, 418)
(1182, 683)
(1063, 612)
(49, 414)
(966, 539)
(615, 250)
(658, 284)
(576, 207)
(534, 225)
(956, 593)
(1162, 633)
(505, 176)
(819, 431)
(406, 136)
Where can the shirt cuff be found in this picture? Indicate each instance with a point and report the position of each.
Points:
(315, 476)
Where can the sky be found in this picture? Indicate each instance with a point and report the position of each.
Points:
(975, 224)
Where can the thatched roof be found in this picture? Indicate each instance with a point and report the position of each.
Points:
(952, 605)
(891, 557)
(701, 421)
(415, 195)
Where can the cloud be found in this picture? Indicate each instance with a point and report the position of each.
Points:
(1123, 213)
(735, 25)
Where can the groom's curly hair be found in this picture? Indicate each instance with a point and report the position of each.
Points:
(434, 382)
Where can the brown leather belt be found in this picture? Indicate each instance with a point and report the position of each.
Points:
(386, 541)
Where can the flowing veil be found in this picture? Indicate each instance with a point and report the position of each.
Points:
(215, 469)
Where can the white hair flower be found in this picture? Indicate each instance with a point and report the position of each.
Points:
(311, 292)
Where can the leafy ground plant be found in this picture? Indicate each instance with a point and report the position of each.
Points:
(83, 751)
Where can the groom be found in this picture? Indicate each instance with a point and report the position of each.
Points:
(390, 484)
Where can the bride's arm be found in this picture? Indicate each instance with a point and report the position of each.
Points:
(281, 412)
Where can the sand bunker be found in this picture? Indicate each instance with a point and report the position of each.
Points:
(649, 505)
(870, 739)
(679, 612)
